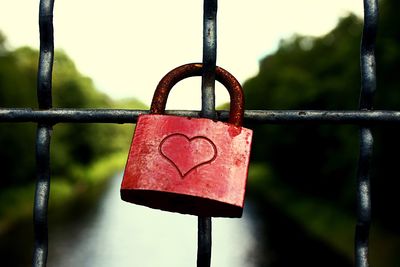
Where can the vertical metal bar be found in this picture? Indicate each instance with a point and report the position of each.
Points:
(44, 82)
(204, 242)
(368, 72)
(41, 195)
(363, 198)
(207, 111)
(44, 86)
(209, 58)
(368, 87)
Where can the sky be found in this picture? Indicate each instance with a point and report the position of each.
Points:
(127, 46)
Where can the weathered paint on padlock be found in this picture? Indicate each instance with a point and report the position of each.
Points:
(189, 165)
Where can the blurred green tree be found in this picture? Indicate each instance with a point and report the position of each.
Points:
(73, 145)
(310, 170)
(310, 73)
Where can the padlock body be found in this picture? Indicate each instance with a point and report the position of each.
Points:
(188, 165)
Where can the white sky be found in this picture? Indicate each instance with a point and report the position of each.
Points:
(127, 46)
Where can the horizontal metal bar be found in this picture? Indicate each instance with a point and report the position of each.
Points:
(54, 116)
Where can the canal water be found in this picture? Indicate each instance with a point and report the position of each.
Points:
(118, 234)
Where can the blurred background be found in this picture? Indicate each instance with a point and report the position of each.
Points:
(300, 205)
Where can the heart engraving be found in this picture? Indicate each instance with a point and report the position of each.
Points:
(187, 154)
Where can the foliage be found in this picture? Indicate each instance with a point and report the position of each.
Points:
(324, 76)
(74, 146)
(82, 155)
(318, 163)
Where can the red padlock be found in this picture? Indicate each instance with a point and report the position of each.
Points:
(189, 165)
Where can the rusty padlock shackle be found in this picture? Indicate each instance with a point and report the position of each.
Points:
(234, 88)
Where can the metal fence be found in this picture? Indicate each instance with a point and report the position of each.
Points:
(47, 116)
